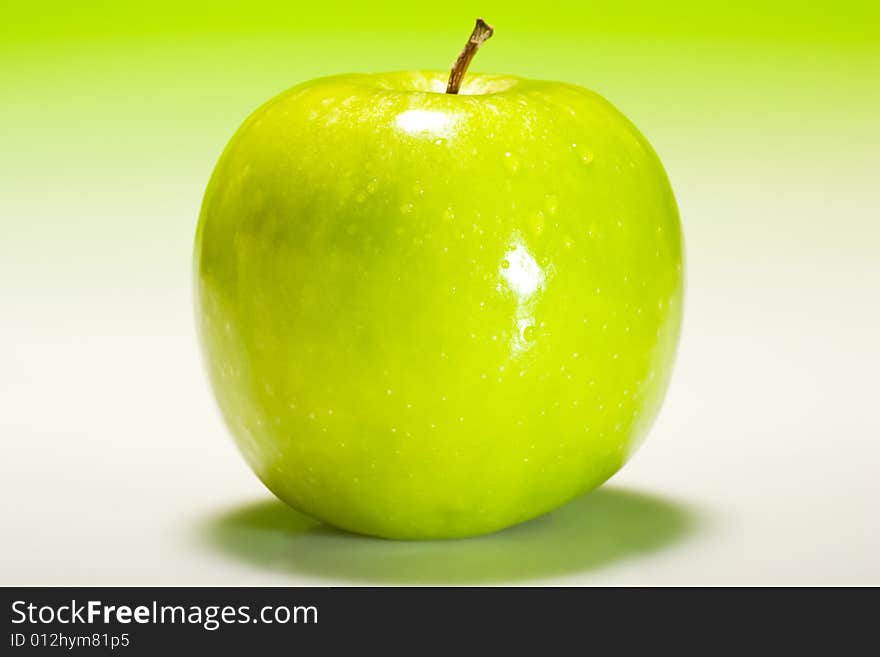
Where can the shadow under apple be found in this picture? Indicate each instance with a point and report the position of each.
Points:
(595, 530)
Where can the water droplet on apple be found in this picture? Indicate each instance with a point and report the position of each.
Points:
(511, 161)
(529, 333)
(505, 264)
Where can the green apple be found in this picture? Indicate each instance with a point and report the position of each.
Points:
(430, 314)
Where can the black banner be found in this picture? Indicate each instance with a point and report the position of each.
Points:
(135, 621)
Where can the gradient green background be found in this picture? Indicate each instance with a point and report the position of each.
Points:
(766, 118)
(112, 115)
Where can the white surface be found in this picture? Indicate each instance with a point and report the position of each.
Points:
(115, 462)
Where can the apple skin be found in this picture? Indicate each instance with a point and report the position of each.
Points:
(428, 315)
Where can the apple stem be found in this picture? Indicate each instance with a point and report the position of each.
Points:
(482, 32)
